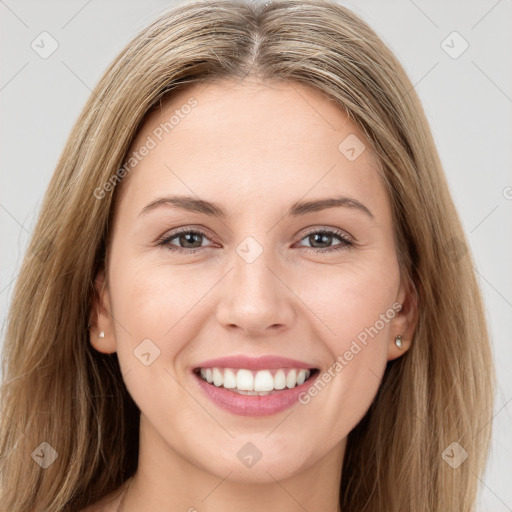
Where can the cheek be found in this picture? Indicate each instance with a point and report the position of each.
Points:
(155, 316)
(156, 301)
(354, 308)
(353, 300)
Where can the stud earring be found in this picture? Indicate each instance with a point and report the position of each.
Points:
(101, 334)
(398, 341)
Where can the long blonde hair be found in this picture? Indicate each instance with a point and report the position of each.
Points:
(58, 390)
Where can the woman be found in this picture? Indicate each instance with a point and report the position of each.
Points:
(248, 287)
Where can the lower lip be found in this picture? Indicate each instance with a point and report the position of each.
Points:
(254, 405)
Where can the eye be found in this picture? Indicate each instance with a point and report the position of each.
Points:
(319, 238)
(190, 240)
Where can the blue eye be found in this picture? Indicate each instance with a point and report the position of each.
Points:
(191, 240)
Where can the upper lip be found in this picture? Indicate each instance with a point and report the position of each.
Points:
(254, 363)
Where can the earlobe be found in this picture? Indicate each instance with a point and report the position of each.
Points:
(398, 347)
(404, 324)
(101, 326)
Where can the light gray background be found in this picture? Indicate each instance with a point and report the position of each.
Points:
(468, 101)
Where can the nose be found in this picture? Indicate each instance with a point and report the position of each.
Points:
(256, 300)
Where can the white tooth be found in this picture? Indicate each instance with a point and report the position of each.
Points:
(217, 377)
(279, 380)
(301, 377)
(263, 381)
(244, 380)
(229, 378)
(291, 378)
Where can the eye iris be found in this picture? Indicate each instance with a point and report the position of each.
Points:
(185, 238)
(319, 238)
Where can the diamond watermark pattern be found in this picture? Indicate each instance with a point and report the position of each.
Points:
(351, 147)
(454, 455)
(454, 45)
(45, 455)
(456, 249)
(249, 454)
(44, 45)
(249, 249)
(146, 352)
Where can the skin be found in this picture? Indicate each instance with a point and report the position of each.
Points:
(254, 149)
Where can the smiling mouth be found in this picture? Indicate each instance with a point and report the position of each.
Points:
(255, 382)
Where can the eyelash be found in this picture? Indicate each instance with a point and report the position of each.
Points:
(346, 242)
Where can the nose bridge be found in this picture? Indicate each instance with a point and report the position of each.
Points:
(255, 298)
(251, 276)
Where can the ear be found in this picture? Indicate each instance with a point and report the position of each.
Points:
(405, 321)
(100, 317)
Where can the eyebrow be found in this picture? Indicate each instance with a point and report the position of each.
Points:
(192, 204)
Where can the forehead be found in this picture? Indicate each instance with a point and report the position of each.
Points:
(262, 141)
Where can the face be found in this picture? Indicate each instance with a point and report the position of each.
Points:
(223, 246)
